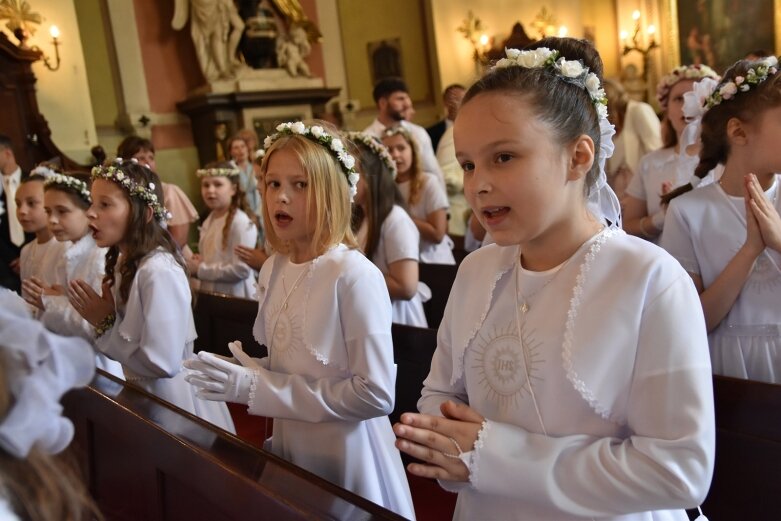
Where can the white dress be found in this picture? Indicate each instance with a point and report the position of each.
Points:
(620, 425)
(704, 229)
(154, 332)
(221, 271)
(657, 167)
(41, 259)
(329, 379)
(431, 198)
(82, 260)
(399, 239)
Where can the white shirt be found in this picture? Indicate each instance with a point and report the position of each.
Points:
(40, 260)
(9, 186)
(329, 379)
(399, 240)
(428, 158)
(221, 270)
(430, 199)
(704, 229)
(621, 378)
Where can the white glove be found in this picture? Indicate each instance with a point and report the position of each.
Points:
(222, 379)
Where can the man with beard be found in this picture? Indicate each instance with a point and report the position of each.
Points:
(394, 105)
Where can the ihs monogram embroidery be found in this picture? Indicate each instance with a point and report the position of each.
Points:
(766, 275)
(287, 332)
(501, 361)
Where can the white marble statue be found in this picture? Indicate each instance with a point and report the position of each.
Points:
(216, 27)
(292, 49)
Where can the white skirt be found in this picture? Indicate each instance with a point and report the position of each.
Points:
(749, 352)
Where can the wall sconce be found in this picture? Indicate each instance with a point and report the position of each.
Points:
(54, 31)
(474, 31)
(636, 45)
(545, 24)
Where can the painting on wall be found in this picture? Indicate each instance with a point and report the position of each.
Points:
(385, 59)
(720, 32)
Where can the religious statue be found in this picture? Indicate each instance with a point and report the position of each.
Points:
(291, 51)
(216, 28)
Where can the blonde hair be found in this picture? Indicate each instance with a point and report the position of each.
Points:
(328, 195)
(417, 179)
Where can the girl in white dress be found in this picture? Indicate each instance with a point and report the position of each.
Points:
(663, 169)
(228, 225)
(142, 316)
(385, 231)
(240, 153)
(325, 316)
(426, 199)
(66, 200)
(39, 257)
(567, 392)
(727, 235)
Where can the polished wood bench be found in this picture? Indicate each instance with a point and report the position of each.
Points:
(439, 278)
(148, 460)
(747, 479)
(220, 319)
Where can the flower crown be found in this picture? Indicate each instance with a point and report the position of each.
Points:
(43, 170)
(374, 144)
(217, 172)
(319, 135)
(684, 72)
(69, 182)
(758, 72)
(571, 71)
(114, 173)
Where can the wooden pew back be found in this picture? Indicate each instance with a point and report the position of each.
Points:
(413, 348)
(146, 459)
(438, 277)
(220, 319)
(746, 482)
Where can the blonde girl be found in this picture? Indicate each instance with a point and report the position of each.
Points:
(325, 316)
(727, 235)
(559, 391)
(230, 224)
(426, 199)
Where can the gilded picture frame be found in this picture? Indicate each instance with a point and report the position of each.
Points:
(680, 36)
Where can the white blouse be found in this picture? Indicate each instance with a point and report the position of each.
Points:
(431, 198)
(221, 270)
(330, 374)
(598, 400)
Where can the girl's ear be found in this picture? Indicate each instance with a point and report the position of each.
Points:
(148, 214)
(581, 157)
(736, 132)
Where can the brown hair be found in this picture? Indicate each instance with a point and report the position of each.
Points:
(132, 145)
(238, 201)
(417, 179)
(744, 106)
(143, 234)
(41, 487)
(566, 107)
(382, 194)
(328, 192)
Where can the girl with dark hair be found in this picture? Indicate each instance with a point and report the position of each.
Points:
(558, 389)
(727, 235)
(385, 231)
(142, 317)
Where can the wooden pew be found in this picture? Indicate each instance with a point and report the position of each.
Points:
(438, 277)
(220, 319)
(746, 482)
(146, 459)
(413, 348)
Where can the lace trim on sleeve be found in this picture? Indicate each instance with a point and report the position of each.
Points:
(472, 458)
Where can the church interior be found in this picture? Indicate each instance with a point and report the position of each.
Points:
(78, 78)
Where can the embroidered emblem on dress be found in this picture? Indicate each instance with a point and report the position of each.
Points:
(288, 333)
(766, 275)
(499, 360)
